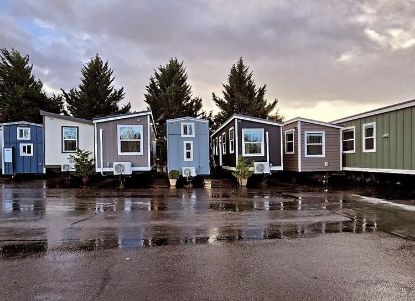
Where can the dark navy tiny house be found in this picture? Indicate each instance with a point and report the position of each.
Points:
(22, 148)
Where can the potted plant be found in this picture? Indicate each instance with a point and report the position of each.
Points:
(242, 171)
(84, 165)
(173, 176)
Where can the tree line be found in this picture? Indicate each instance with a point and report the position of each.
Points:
(168, 94)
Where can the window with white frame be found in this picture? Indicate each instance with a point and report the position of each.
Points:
(231, 140)
(348, 139)
(188, 129)
(69, 139)
(314, 144)
(289, 141)
(23, 133)
(130, 139)
(369, 137)
(224, 143)
(26, 149)
(253, 142)
(188, 151)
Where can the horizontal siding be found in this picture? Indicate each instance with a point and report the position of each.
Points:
(291, 160)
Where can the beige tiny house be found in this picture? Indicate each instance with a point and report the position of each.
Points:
(312, 146)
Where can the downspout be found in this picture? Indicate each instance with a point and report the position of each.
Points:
(101, 155)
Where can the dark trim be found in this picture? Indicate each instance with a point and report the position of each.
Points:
(64, 117)
(77, 139)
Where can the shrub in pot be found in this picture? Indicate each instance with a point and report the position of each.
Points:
(84, 165)
(242, 171)
(173, 176)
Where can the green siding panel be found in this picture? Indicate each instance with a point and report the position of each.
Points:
(399, 139)
(386, 141)
(407, 140)
(393, 140)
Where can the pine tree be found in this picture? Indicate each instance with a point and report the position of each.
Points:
(21, 94)
(96, 95)
(241, 96)
(170, 96)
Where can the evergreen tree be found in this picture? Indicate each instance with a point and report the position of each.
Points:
(21, 94)
(96, 95)
(241, 96)
(170, 96)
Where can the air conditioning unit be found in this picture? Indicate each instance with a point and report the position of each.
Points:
(122, 168)
(68, 167)
(261, 167)
(189, 171)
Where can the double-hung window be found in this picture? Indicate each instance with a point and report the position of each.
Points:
(23, 133)
(130, 139)
(231, 140)
(253, 142)
(289, 141)
(369, 137)
(69, 139)
(188, 129)
(314, 144)
(348, 139)
(224, 143)
(26, 149)
(188, 151)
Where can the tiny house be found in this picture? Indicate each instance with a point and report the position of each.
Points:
(125, 144)
(257, 139)
(63, 135)
(188, 146)
(312, 146)
(22, 148)
(381, 140)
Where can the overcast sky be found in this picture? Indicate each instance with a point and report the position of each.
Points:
(321, 59)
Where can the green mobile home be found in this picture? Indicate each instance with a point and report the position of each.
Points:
(381, 140)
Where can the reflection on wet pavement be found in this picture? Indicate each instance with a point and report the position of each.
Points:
(33, 221)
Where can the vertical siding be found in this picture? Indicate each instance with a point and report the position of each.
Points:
(291, 160)
(227, 159)
(413, 138)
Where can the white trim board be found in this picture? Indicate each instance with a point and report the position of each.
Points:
(312, 121)
(381, 170)
(241, 117)
(22, 123)
(187, 118)
(118, 117)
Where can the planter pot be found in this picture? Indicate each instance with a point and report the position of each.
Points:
(173, 182)
(244, 182)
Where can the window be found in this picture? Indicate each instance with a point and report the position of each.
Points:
(224, 143)
(289, 141)
(369, 137)
(348, 138)
(26, 149)
(188, 151)
(314, 144)
(23, 133)
(130, 139)
(188, 129)
(231, 140)
(69, 139)
(252, 142)
(217, 146)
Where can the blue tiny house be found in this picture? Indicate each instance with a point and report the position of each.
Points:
(22, 148)
(188, 146)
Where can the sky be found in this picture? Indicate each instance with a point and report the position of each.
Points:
(321, 59)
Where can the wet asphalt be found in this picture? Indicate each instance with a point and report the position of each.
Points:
(280, 243)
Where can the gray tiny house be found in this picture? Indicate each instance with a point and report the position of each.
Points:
(188, 146)
(125, 144)
(312, 146)
(257, 139)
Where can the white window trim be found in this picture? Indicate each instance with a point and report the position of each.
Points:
(364, 126)
(217, 146)
(141, 140)
(21, 150)
(63, 139)
(23, 128)
(183, 124)
(184, 151)
(224, 143)
(354, 139)
(244, 142)
(292, 131)
(306, 133)
(231, 141)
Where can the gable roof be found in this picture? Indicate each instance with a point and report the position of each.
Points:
(313, 122)
(394, 107)
(64, 117)
(22, 123)
(187, 118)
(248, 118)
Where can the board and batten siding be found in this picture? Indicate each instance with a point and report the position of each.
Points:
(110, 143)
(395, 142)
(291, 160)
(175, 146)
(332, 149)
